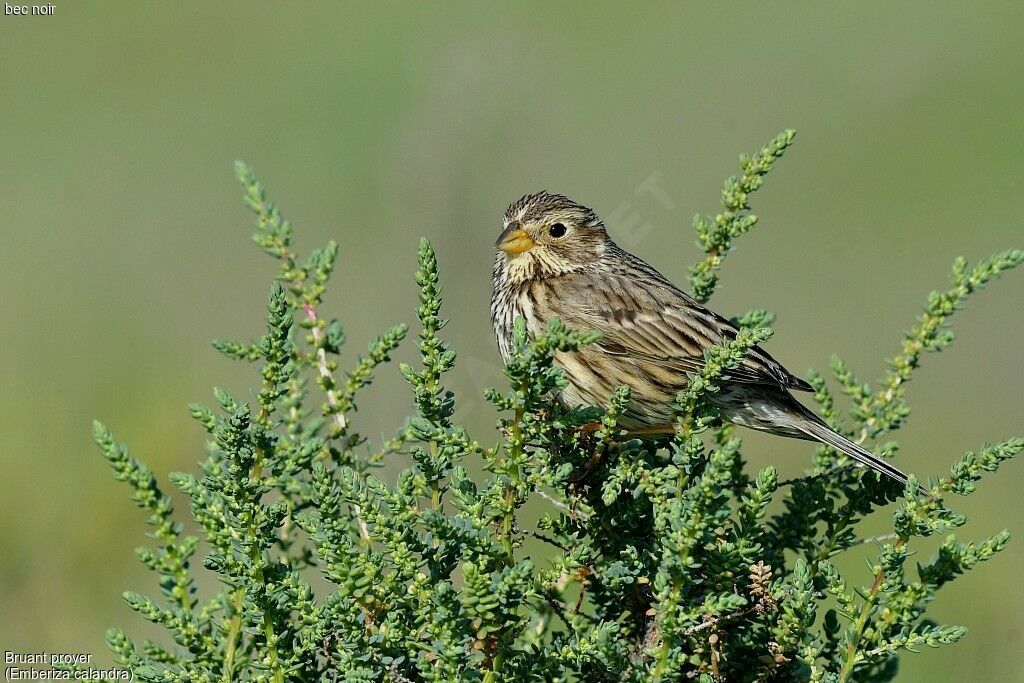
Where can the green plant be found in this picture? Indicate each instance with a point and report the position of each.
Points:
(666, 561)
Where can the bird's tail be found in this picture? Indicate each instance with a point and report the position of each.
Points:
(813, 427)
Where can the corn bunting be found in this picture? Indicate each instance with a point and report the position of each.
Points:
(555, 259)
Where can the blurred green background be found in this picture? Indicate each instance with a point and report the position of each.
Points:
(125, 244)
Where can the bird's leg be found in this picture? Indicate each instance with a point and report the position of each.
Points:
(584, 433)
(589, 467)
(607, 444)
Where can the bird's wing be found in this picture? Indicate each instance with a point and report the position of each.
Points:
(643, 316)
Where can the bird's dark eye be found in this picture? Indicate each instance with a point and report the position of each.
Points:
(557, 230)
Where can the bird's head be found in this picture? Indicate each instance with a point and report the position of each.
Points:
(545, 235)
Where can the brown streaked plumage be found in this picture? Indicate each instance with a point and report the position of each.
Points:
(555, 259)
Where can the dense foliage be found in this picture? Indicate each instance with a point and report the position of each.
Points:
(665, 560)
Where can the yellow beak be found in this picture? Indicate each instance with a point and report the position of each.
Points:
(514, 241)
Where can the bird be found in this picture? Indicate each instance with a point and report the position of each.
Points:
(555, 259)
